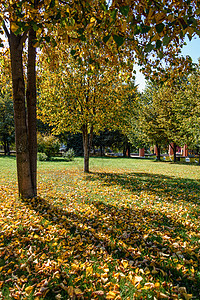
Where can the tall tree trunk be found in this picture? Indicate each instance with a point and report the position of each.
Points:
(31, 108)
(124, 151)
(8, 148)
(174, 150)
(128, 151)
(90, 139)
(85, 148)
(101, 150)
(158, 152)
(25, 186)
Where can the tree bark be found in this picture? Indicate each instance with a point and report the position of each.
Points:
(8, 148)
(85, 148)
(174, 151)
(124, 151)
(101, 151)
(31, 108)
(158, 152)
(25, 186)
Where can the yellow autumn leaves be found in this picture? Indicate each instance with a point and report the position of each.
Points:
(94, 235)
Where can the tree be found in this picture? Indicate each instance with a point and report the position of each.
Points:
(150, 119)
(48, 144)
(166, 113)
(81, 97)
(7, 131)
(25, 125)
(192, 96)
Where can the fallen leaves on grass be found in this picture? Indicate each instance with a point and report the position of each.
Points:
(97, 237)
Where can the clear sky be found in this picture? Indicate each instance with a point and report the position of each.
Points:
(192, 49)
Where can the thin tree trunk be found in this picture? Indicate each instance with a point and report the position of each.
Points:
(128, 151)
(174, 151)
(124, 151)
(90, 139)
(85, 148)
(25, 186)
(158, 152)
(8, 148)
(31, 108)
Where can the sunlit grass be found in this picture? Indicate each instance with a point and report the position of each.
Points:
(130, 228)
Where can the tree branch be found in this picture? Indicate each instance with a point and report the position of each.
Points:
(6, 30)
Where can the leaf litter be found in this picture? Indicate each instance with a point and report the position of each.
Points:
(106, 235)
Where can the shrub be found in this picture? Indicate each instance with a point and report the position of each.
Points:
(42, 156)
(48, 144)
(69, 155)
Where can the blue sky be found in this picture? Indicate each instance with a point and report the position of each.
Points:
(192, 49)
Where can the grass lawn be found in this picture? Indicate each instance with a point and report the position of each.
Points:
(130, 229)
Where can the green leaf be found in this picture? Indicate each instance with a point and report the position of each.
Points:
(137, 29)
(124, 10)
(158, 44)
(35, 27)
(113, 14)
(149, 48)
(160, 55)
(192, 20)
(47, 39)
(80, 30)
(104, 7)
(145, 28)
(91, 61)
(106, 38)
(82, 38)
(97, 44)
(58, 16)
(73, 52)
(166, 40)
(119, 40)
(52, 4)
(159, 27)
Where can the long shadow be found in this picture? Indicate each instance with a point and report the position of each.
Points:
(162, 185)
(136, 235)
(149, 240)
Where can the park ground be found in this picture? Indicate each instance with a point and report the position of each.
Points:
(127, 230)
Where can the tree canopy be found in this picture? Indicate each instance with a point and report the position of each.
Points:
(78, 96)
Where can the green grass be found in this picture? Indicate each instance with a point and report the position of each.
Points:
(127, 230)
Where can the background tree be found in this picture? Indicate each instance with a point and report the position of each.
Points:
(48, 144)
(150, 118)
(81, 97)
(7, 130)
(192, 96)
(166, 113)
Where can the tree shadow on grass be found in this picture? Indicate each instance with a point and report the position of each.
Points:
(173, 188)
(147, 239)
